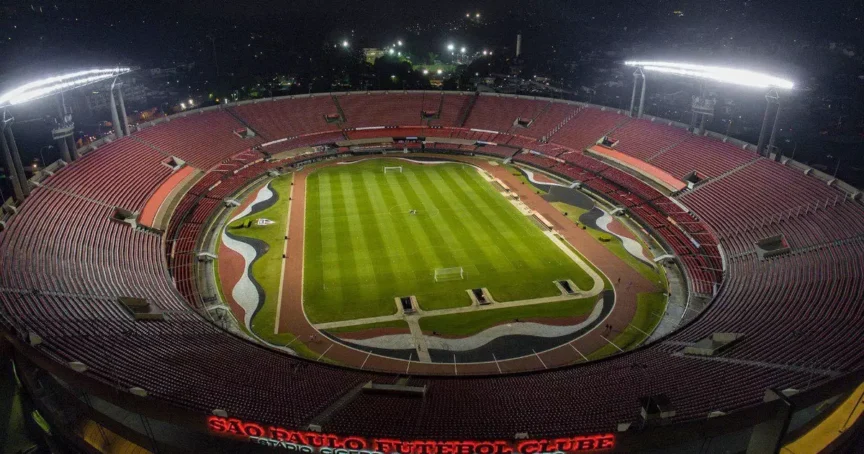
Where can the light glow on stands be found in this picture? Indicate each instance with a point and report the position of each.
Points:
(57, 84)
(742, 77)
(316, 442)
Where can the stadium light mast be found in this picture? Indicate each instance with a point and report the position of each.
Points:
(704, 107)
(63, 133)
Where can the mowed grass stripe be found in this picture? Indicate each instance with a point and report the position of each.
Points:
(464, 215)
(539, 259)
(416, 237)
(359, 285)
(523, 234)
(313, 268)
(331, 243)
(401, 244)
(492, 220)
(374, 242)
(485, 213)
(434, 238)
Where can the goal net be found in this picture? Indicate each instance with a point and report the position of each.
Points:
(397, 169)
(449, 274)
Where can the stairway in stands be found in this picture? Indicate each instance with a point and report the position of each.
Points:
(664, 150)
(243, 122)
(717, 178)
(466, 110)
(570, 116)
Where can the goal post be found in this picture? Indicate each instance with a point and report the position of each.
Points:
(449, 274)
(392, 169)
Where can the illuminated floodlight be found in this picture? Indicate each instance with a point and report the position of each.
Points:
(57, 84)
(391, 51)
(440, 72)
(183, 105)
(743, 77)
(463, 50)
(425, 72)
(399, 42)
(484, 52)
(344, 43)
(450, 47)
(191, 103)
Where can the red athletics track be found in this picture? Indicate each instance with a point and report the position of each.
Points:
(293, 320)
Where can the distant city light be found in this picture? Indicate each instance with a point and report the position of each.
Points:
(344, 43)
(440, 72)
(393, 76)
(425, 72)
(450, 47)
(391, 51)
(477, 16)
(467, 14)
(484, 52)
(399, 42)
(463, 50)
(743, 77)
(182, 105)
(191, 103)
(53, 85)
(399, 53)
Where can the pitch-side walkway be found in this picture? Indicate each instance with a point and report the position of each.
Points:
(627, 283)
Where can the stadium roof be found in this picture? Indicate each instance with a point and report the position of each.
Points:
(735, 76)
(58, 84)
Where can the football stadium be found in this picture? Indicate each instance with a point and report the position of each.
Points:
(429, 272)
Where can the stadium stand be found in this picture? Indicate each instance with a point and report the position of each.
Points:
(281, 118)
(65, 262)
(709, 157)
(379, 109)
(201, 138)
(645, 139)
(587, 127)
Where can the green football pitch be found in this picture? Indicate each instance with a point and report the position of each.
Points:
(373, 236)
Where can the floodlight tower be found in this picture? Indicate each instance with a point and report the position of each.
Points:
(705, 107)
(637, 75)
(64, 132)
(773, 103)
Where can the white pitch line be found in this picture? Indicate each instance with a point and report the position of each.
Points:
(577, 351)
(538, 357)
(496, 364)
(613, 343)
(410, 356)
(325, 352)
(637, 329)
(368, 354)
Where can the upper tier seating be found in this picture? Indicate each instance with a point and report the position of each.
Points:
(378, 109)
(200, 138)
(587, 127)
(762, 189)
(283, 118)
(710, 157)
(644, 139)
(548, 119)
(122, 173)
(495, 113)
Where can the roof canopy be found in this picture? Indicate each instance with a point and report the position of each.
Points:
(57, 84)
(734, 76)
